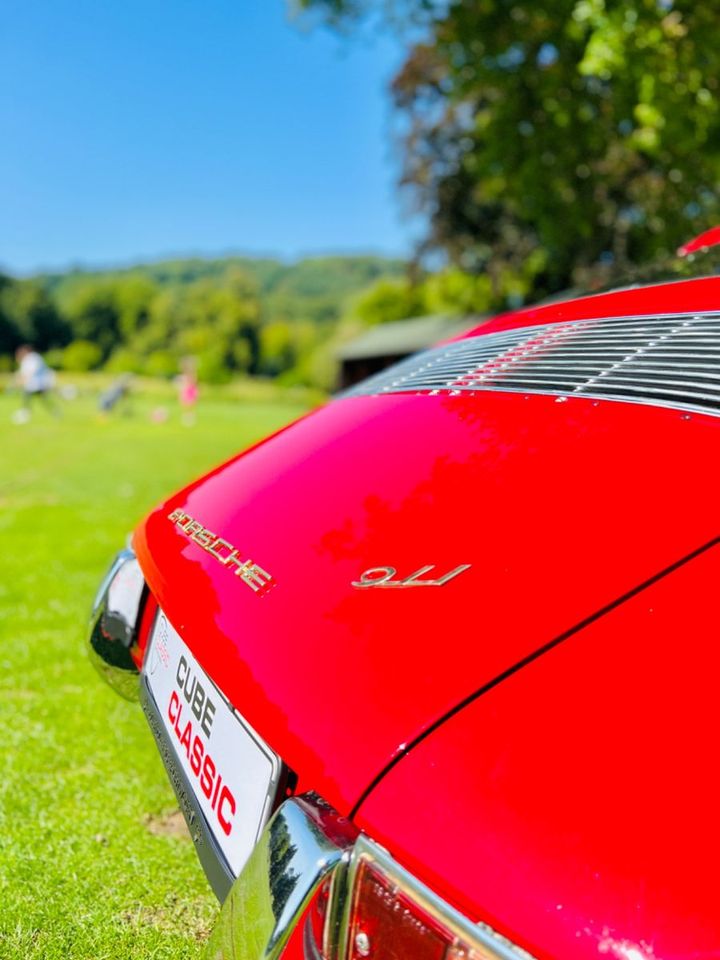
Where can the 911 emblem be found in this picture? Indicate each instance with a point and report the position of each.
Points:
(383, 577)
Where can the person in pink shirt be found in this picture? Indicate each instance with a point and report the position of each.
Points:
(188, 390)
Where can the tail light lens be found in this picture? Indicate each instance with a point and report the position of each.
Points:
(390, 915)
(386, 923)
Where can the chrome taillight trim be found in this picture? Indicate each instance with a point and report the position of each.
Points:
(670, 360)
(483, 940)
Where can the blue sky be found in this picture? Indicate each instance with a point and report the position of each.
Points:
(144, 128)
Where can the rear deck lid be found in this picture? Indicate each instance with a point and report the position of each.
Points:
(555, 507)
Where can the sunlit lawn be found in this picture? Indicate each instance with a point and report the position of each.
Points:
(82, 874)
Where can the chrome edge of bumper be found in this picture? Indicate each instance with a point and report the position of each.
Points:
(112, 633)
(303, 844)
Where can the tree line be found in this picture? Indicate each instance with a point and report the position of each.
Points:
(234, 315)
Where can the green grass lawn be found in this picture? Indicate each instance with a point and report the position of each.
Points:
(88, 867)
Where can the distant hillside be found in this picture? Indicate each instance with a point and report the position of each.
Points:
(226, 315)
(315, 288)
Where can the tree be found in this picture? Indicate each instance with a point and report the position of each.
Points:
(28, 315)
(277, 348)
(81, 356)
(94, 314)
(220, 323)
(134, 297)
(548, 137)
(9, 335)
(390, 300)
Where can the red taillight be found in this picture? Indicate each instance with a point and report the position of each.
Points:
(147, 618)
(386, 924)
(390, 915)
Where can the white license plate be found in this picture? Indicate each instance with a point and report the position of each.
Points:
(233, 774)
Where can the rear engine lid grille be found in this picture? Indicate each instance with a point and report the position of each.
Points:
(671, 360)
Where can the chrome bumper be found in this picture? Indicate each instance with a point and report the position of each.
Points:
(113, 624)
(304, 843)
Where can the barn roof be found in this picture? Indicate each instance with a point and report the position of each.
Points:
(402, 337)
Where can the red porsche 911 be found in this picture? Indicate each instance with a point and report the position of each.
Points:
(434, 671)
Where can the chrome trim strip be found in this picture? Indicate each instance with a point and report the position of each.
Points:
(305, 842)
(111, 635)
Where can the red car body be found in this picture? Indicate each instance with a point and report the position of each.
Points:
(532, 739)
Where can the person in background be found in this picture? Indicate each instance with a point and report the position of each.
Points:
(116, 396)
(36, 379)
(188, 390)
